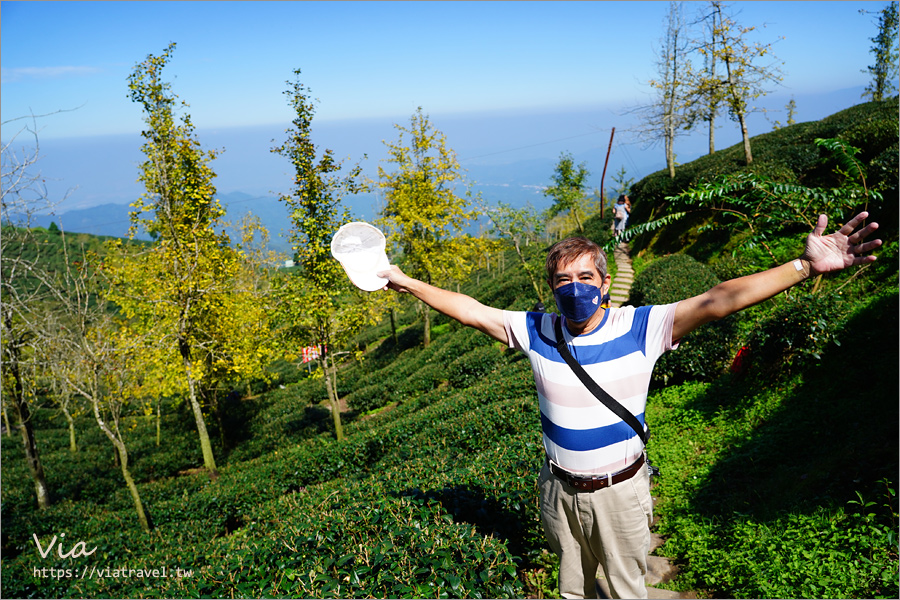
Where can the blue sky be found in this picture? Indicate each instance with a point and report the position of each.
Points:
(377, 59)
(375, 62)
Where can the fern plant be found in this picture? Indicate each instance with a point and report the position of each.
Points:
(766, 208)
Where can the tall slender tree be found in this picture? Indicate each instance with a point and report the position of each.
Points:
(568, 189)
(427, 207)
(316, 305)
(22, 195)
(667, 114)
(96, 358)
(884, 49)
(746, 74)
(706, 92)
(177, 287)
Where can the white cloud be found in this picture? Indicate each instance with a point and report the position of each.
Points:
(14, 74)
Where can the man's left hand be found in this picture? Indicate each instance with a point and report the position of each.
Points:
(843, 248)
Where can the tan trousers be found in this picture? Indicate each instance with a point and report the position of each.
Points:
(608, 528)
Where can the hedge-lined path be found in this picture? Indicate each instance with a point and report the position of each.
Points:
(659, 569)
(621, 285)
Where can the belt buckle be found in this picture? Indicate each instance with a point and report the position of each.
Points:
(585, 482)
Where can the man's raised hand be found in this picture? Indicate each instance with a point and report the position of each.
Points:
(843, 248)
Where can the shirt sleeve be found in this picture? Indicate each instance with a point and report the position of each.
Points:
(516, 326)
(659, 330)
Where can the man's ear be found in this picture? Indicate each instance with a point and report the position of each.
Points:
(607, 282)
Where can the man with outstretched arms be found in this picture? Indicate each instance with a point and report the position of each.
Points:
(594, 486)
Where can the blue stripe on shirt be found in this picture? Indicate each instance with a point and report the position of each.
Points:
(580, 440)
(636, 340)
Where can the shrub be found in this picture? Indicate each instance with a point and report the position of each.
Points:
(706, 352)
(793, 335)
(470, 368)
(671, 278)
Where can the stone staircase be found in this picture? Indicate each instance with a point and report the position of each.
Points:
(621, 283)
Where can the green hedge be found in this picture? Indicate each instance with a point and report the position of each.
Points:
(705, 353)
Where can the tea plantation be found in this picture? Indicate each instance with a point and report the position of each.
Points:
(778, 479)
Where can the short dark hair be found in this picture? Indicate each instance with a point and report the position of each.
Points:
(570, 249)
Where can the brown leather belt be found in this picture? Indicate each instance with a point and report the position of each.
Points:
(589, 483)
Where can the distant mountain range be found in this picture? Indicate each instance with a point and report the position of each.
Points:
(114, 220)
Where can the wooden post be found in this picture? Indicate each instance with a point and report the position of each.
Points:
(603, 176)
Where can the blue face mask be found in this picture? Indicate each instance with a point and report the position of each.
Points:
(578, 301)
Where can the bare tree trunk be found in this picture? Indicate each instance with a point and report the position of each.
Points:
(35, 468)
(534, 283)
(158, 424)
(427, 318)
(578, 221)
(209, 460)
(332, 396)
(670, 154)
(72, 446)
(713, 104)
(738, 108)
(6, 422)
(122, 458)
(393, 327)
(746, 137)
(132, 488)
(23, 416)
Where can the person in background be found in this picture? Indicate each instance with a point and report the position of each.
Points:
(620, 213)
(595, 499)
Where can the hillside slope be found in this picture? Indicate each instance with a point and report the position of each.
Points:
(433, 494)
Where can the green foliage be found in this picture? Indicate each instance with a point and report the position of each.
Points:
(432, 493)
(794, 334)
(567, 190)
(788, 156)
(670, 279)
(54, 252)
(884, 71)
(705, 353)
(471, 368)
(748, 509)
(315, 305)
(423, 212)
(522, 226)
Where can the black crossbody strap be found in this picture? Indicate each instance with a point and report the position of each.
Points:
(610, 402)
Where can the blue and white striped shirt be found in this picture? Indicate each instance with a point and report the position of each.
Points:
(580, 434)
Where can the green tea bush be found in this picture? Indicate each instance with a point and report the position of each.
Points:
(706, 352)
(792, 337)
(671, 278)
(471, 367)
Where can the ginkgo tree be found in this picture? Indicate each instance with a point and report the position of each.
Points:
(22, 195)
(98, 358)
(315, 304)
(183, 287)
(427, 208)
(884, 49)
